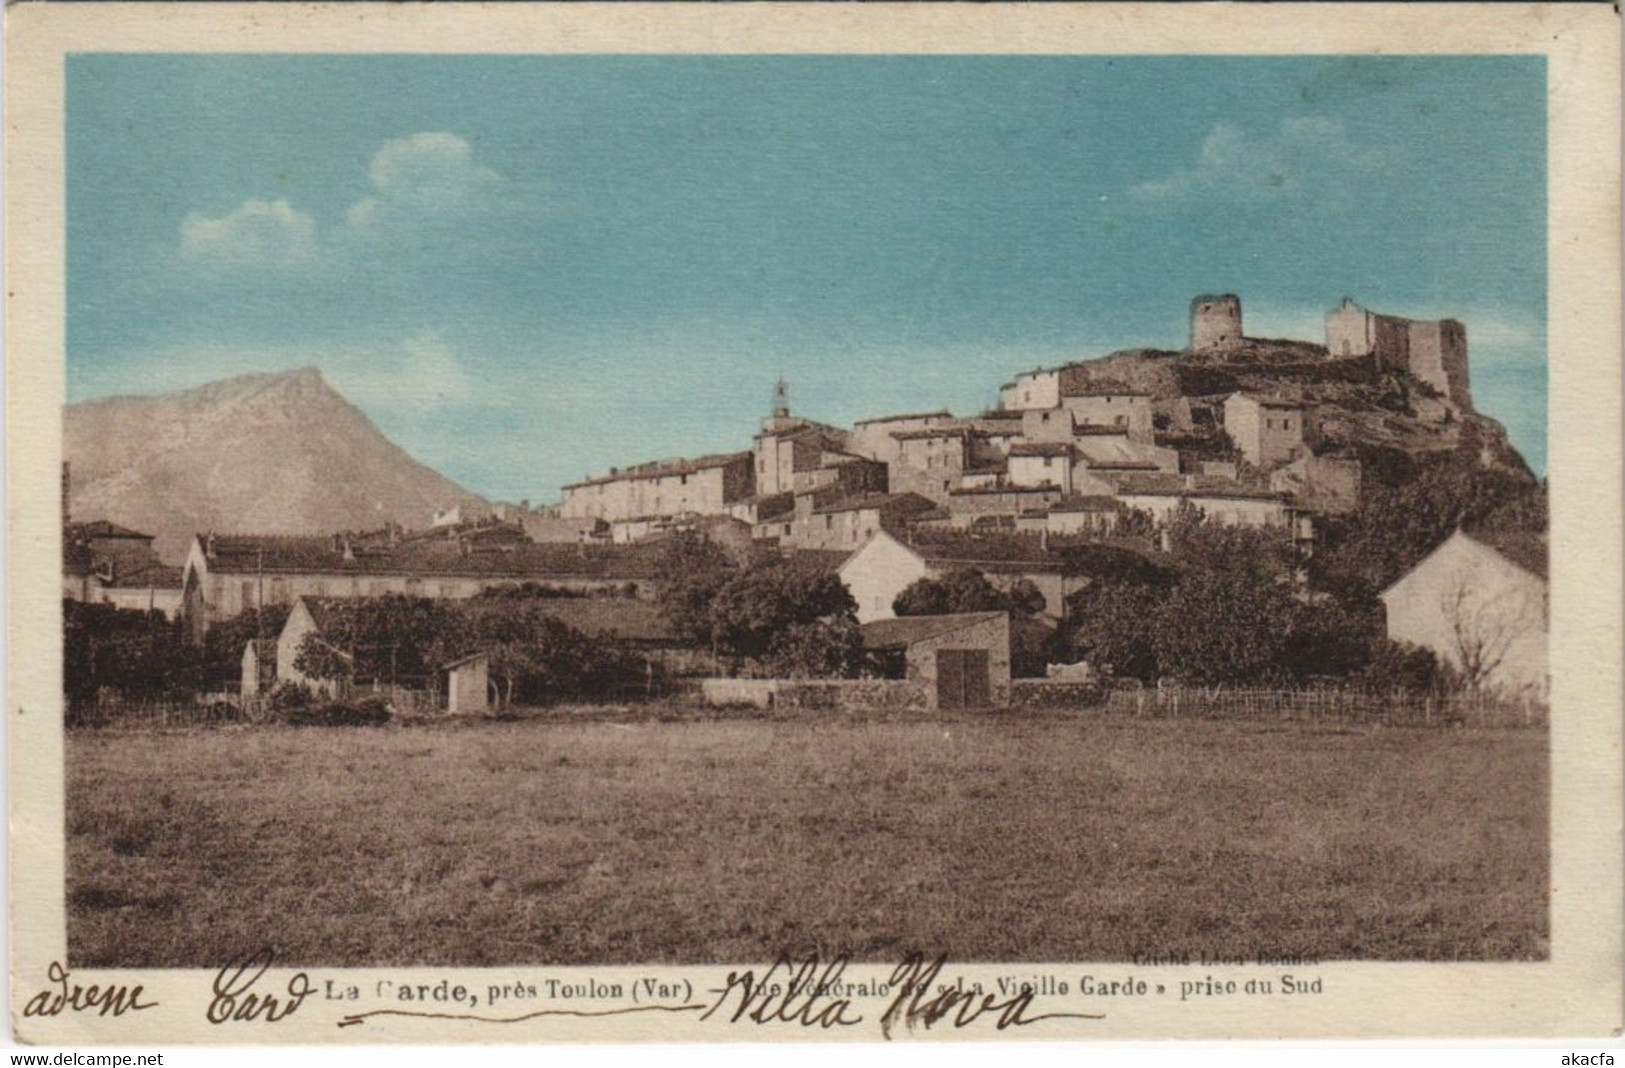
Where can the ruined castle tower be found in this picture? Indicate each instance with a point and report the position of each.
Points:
(1434, 351)
(1216, 322)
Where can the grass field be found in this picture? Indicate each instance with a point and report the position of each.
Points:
(1038, 838)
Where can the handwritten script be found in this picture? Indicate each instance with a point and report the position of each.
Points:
(69, 996)
(810, 993)
(236, 1000)
(801, 994)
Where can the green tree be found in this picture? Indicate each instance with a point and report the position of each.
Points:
(694, 570)
(1113, 625)
(759, 605)
(823, 648)
(965, 589)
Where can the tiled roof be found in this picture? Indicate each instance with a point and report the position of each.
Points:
(1217, 486)
(665, 469)
(817, 560)
(893, 501)
(941, 413)
(103, 528)
(151, 576)
(1095, 430)
(970, 491)
(249, 554)
(931, 432)
(1093, 502)
(1041, 448)
(1527, 549)
(956, 547)
(907, 630)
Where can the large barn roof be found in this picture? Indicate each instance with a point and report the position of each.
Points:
(251, 554)
(904, 631)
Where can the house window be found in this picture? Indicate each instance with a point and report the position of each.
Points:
(414, 587)
(787, 530)
(447, 589)
(1286, 424)
(248, 595)
(321, 589)
(1122, 420)
(829, 522)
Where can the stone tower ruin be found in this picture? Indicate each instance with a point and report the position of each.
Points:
(1216, 322)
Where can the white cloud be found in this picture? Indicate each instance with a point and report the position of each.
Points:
(1297, 160)
(260, 234)
(422, 180)
(421, 177)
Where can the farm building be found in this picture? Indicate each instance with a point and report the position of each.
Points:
(1480, 603)
(885, 566)
(226, 575)
(963, 659)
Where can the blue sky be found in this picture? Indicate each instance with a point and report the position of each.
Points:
(525, 269)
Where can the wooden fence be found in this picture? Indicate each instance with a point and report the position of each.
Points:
(1329, 705)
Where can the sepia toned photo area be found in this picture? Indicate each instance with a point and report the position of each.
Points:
(582, 510)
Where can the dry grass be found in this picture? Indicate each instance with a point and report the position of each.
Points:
(1043, 838)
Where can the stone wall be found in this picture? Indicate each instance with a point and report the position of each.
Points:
(1044, 693)
(818, 695)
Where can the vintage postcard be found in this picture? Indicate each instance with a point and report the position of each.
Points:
(541, 523)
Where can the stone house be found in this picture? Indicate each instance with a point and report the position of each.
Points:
(1221, 500)
(969, 504)
(1042, 463)
(1324, 484)
(874, 438)
(930, 461)
(105, 563)
(963, 659)
(707, 485)
(1268, 431)
(1095, 515)
(310, 616)
(803, 456)
(1116, 406)
(1479, 601)
(843, 522)
(884, 566)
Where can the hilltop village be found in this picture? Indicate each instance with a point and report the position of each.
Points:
(1244, 432)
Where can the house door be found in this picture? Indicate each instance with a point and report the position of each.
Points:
(962, 678)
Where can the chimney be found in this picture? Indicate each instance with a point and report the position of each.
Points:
(208, 545)
(349, 550)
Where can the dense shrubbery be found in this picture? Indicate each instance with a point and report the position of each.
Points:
(135, 654)
(363, 712)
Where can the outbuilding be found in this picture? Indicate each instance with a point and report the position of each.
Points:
(468, 683)
(963, 659)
